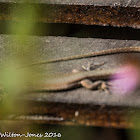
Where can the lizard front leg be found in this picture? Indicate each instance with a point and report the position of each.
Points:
(90, 84)
(94, 85)
(87, 83)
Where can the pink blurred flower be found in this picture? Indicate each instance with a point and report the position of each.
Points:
(126, 80)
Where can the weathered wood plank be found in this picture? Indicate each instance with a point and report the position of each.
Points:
(80, 106)
(114, 13)
(77, 114)
(125, 3)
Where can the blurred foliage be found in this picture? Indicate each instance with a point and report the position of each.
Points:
(134, 133)
(19, 52)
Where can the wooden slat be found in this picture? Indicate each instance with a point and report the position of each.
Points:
(124, 3)
(114, 13)
(80, 106)
(77, 114)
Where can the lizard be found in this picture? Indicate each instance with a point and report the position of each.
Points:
(91, 54)
(88, 79)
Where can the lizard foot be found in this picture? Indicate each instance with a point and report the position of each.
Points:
(104, 87)
(91, 66)
(83, 68)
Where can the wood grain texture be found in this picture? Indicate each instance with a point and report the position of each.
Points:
(79, 106)
(114, 13)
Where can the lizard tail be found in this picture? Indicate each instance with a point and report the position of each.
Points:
(92, 54)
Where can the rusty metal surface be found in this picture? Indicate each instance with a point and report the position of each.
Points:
(121, 14)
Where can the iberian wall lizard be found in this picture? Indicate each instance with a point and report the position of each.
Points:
(85, 79)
